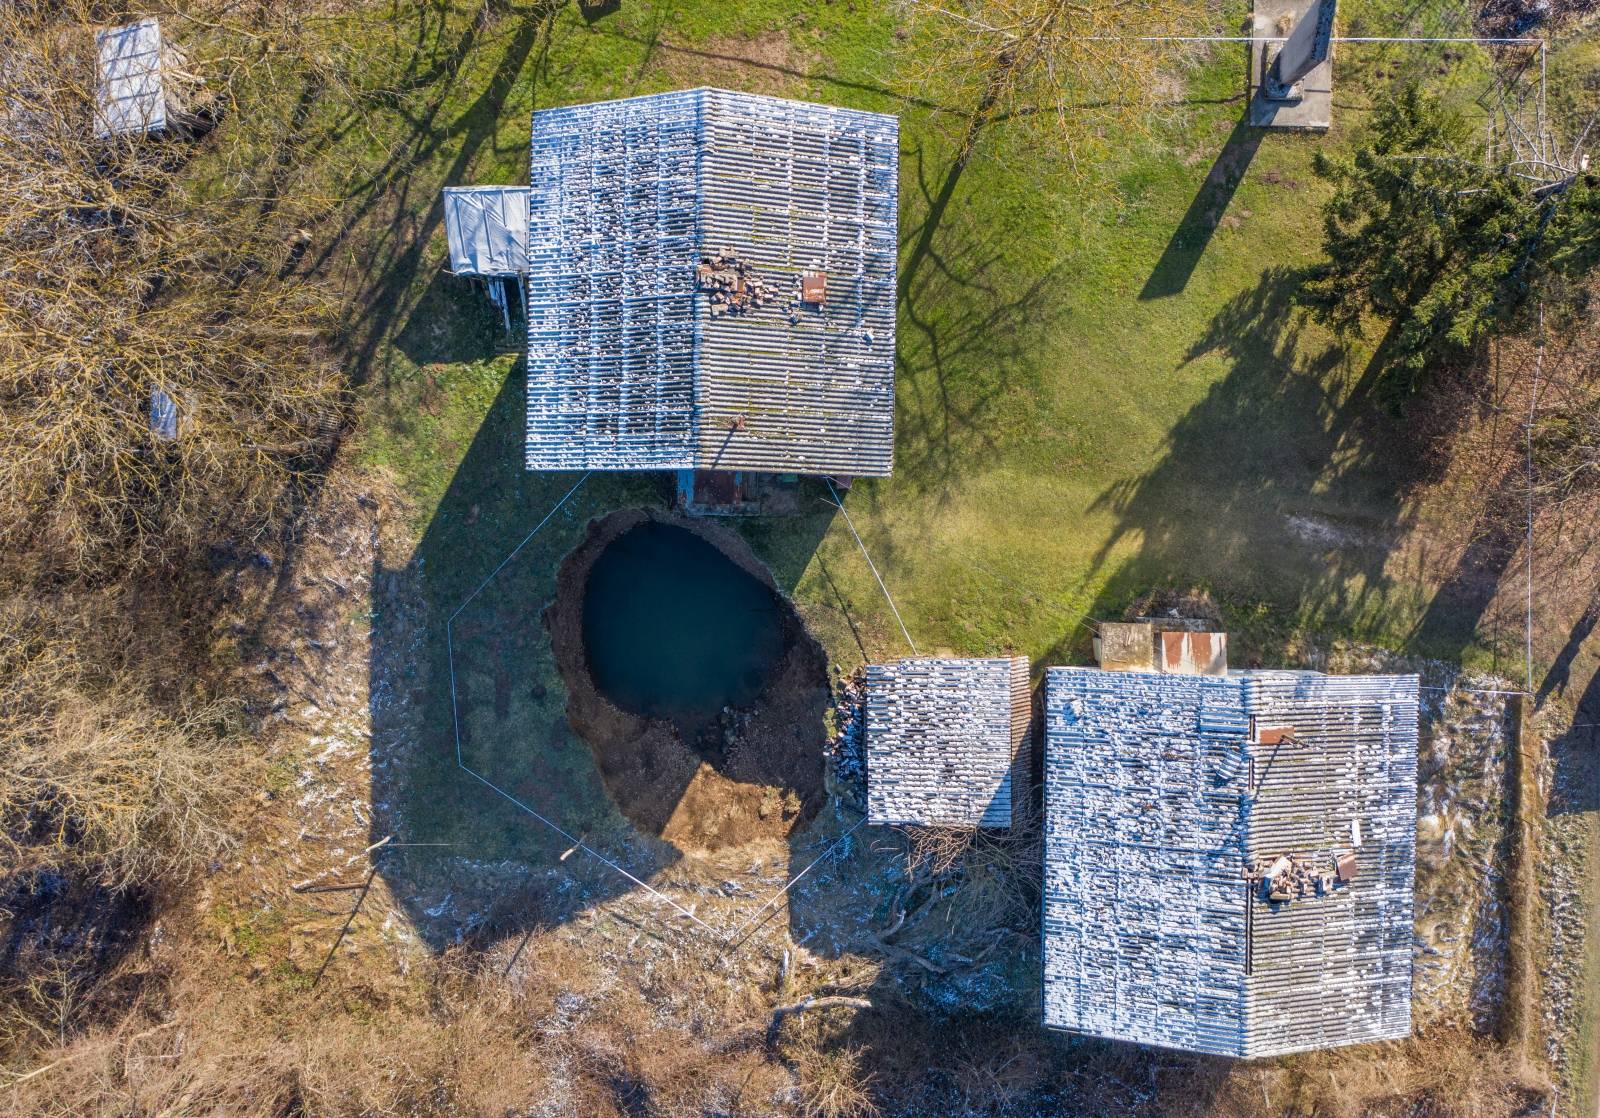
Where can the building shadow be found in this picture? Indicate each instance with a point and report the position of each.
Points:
(454, 321)
(1188, 242)
(464, 860)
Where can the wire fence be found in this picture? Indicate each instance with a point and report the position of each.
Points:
(733, 939)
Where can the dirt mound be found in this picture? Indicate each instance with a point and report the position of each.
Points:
(747, 774)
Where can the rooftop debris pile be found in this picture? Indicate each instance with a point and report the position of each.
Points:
(1292, 877)
(733, 285)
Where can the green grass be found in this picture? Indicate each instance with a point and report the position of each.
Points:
(1103, 386)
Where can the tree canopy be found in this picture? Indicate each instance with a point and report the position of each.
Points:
(1425, 236)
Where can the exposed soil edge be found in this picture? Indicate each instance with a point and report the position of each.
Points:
(656, 780)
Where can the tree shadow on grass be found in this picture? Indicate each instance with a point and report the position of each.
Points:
(972, 316)
(1281, 486)
(392, 256)
(1575, 786)
(1188, 242)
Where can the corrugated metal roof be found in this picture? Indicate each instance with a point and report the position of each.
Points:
(1157, 799)
(131, 95)
(487, 227)
(947, 741)
(629, 367)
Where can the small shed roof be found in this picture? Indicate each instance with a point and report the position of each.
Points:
(635, 361)
(1161, 791)
(948, 741)
(487, 227)
(131, 95)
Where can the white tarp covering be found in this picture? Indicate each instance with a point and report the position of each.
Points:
(163, 415)
(132, 97)
(487, 227)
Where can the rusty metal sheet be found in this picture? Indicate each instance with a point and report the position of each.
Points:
(1194, 653)
(813, 286)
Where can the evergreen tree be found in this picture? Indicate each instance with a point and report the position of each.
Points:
(1423, 235)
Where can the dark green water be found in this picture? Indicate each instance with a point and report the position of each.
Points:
(673, 628)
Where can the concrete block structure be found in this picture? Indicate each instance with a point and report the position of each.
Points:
(948, 742)
(1229, 859)
(1291, 78)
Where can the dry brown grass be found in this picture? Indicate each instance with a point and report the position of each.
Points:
(833, 1084)
(98, 777)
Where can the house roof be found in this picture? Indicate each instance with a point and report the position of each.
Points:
(1160, 791)
(631, 365)
(130, 92)
(947, 741)
(487, 227)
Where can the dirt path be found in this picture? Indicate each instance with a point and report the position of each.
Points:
(1519, 1020)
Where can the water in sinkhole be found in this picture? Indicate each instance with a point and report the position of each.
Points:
(673, 628)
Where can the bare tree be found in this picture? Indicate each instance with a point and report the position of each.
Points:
(160, 386)
(1075, 72)
(96, 776)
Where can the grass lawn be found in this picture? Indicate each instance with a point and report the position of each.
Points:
(1102, 384)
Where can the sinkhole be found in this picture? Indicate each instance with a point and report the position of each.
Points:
(674, 629)
(692, 679)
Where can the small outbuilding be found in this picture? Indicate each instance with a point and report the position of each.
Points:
(142, 82)
(487, 228)
(1229, 858)
(487, 231)
(948, 742)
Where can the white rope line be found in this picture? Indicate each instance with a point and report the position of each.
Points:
(579, 844)
(455, 718)
(520, 546)
(793, 880)
(870, 566)
(1281, 39)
